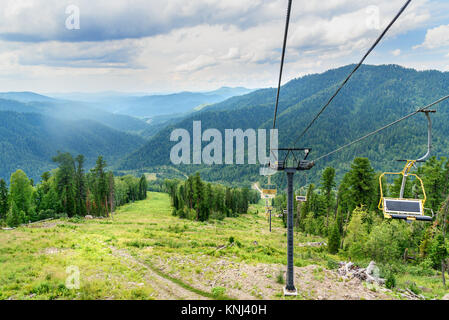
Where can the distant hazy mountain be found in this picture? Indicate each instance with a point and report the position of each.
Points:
(25, 97)
(68, 110)
(375, 96)
(150, 106)
(28, 141)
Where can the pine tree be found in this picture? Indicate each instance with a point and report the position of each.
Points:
(4, 206)
(432, 173)
(80, 186)
(143, 186)
(328, 183)
(245, 200)
(65, 185)
(111, 192)
(334, 239)
(361, 181)
(228, 202)
(100, 187)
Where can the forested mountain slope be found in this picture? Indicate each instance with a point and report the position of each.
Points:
(28, 141)
(375, 96)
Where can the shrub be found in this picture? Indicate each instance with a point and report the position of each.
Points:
(41, 288)
(388, 241)
(332, 264)
(390, 281)
(280, 277)
(356, 235)
(414, 288)
(218, 292)
(438, 251)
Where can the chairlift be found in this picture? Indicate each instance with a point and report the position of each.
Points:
(269, 189)
(403, 208)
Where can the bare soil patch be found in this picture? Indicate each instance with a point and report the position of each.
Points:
(243, 281)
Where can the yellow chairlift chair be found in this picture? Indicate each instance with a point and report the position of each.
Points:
(403, 208)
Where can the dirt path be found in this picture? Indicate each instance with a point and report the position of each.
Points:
(165, 289)
(259, 281)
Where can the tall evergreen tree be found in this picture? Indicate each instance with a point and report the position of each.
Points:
(111, 192)
(4, 206)
(327, 184)
(432, 173)
(80, 186)
(65, 185)
(143, 186)
(334, 239)
(361, 180)
(100, 187)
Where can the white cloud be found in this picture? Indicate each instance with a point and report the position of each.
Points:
(197, 64)
(436, 37)
(233, 53)
(396, 52)
(185, 45)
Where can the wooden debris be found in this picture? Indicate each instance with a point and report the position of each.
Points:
(370, 274)
(312, 244)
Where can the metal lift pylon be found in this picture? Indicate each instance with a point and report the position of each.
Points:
(291, 164)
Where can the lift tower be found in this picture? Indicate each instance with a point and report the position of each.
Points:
(291, 163)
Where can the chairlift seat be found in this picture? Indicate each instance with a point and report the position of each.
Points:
(269, 189)
(405, 209)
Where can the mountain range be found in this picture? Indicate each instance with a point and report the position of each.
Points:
(33, 127)
(150, 106)
(375, 96)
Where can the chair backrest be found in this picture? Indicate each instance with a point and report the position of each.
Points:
(403, 206)
(269, 191)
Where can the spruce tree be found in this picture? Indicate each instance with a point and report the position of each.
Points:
(334, 239)
(100, 187)
(361, 181)
(80, 186)
(143, 186)
(65, 184)
(327, 184)
(4, 206)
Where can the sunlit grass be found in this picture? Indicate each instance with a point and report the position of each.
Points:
(33, 261)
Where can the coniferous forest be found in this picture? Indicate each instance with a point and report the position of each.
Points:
(198, 200)
(68, 191)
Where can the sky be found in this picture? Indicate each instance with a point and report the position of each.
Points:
(197, 45)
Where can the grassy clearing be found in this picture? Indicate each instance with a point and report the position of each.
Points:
(33, 261)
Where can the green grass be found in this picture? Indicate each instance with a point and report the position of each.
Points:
(33, 261)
